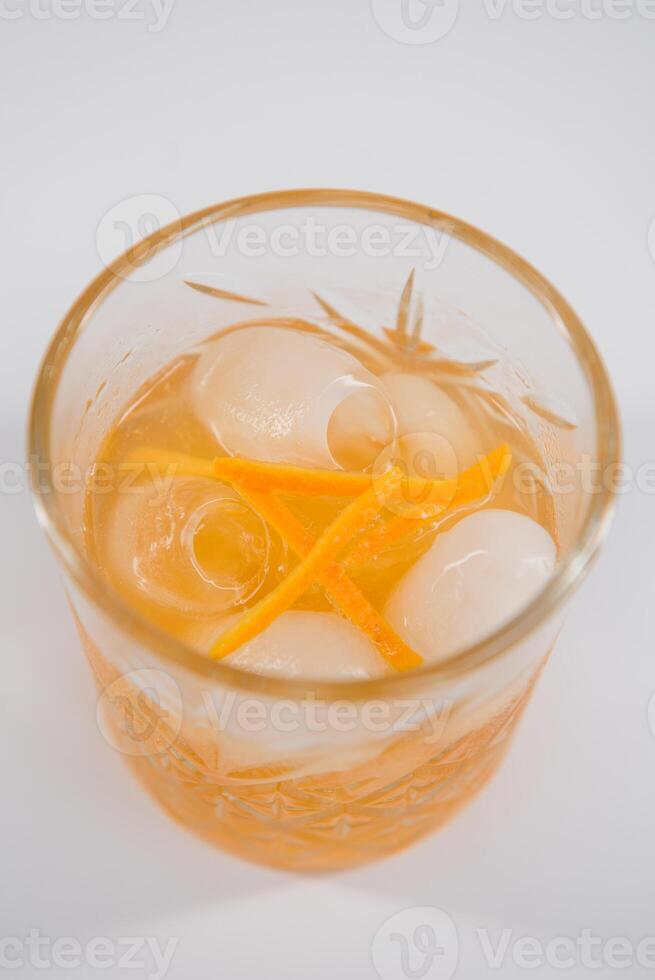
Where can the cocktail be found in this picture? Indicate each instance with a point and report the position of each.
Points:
(323, 507)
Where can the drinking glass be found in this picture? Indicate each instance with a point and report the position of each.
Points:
(292, 772)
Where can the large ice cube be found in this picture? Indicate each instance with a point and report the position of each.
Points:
(436, 437)
(283, 395)
(473, 579)
(188, 544)
(316, 645)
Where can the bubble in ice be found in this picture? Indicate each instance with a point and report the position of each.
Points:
(434, 432)
(286, 396)
(314, 645)
(473, 579)
(189, 544)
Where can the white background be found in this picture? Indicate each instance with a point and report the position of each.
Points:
(539, 131)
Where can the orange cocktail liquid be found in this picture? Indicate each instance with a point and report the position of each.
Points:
(186, 550)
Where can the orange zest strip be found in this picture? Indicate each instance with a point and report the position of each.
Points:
(478, 480)
(279, 477)
(323, 553)
(340, 590)
(172, 464)
(382, 537)
(474, 484)
(467, 486)
(426, 498)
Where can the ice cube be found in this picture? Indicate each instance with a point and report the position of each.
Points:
(473, 579)
(190, 544)
(435, 434)
(283, 395)
(316, 645)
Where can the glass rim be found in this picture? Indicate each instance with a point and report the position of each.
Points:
(569, 572)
